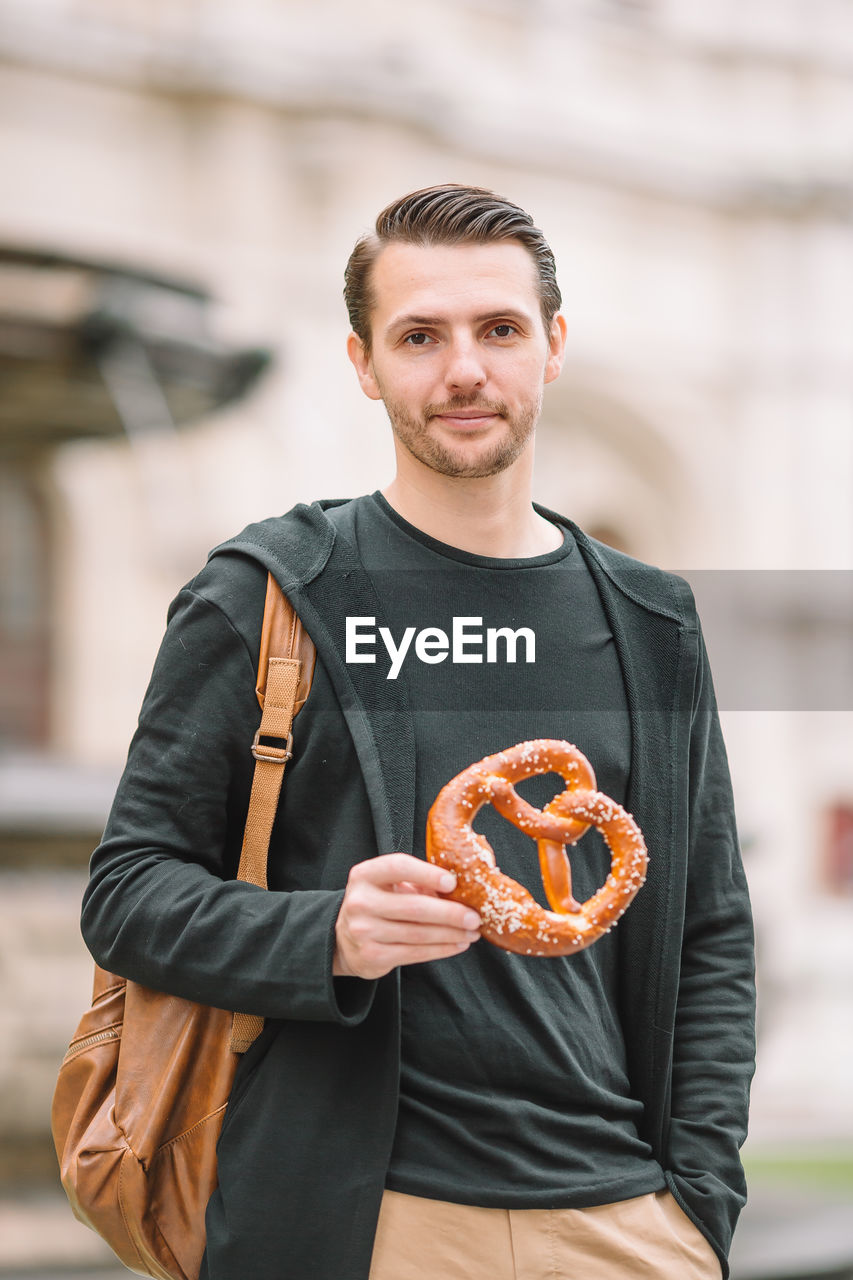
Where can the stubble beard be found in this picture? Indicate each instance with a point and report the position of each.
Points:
(447, 460)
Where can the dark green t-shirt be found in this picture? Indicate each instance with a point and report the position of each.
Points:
(514, 1088)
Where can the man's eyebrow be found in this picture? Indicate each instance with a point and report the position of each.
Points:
(429, 322)
(403, 322)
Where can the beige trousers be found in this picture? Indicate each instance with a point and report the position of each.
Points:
(648, 1236)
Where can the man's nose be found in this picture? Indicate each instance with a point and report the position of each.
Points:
(465, 369)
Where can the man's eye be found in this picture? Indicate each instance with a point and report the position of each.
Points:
(417, 339)
(504, 330)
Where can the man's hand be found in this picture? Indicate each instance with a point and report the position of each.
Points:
(393, 913)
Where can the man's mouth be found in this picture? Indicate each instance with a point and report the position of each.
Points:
(467, 419)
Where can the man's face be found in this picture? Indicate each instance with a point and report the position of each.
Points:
(459, 353)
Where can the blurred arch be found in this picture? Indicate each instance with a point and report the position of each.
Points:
(613, 469)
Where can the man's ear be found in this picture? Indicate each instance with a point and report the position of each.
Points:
(556, 348)
(363, 366)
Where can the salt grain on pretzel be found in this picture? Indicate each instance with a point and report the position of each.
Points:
(511, 917)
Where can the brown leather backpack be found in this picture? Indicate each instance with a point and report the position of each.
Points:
(144, 1085)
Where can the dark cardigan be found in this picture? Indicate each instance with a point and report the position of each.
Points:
(302, 1164)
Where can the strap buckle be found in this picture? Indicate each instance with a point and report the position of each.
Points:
(263, 753)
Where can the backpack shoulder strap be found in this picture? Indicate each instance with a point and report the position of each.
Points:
(285, 668)
(283, 636)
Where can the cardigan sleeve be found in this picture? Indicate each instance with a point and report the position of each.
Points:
(714, 1045)
(162, 906)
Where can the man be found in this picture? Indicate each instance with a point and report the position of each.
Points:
(421, 1103)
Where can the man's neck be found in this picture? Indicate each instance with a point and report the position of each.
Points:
(487, 517)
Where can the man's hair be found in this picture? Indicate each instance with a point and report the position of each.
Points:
(449, 214)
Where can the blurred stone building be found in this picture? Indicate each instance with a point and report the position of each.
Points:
(182, 181)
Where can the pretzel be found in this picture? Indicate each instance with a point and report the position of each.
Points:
(511, 917)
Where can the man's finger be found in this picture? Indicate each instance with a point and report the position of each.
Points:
(401, 934)
(421, 909)
(394, 868)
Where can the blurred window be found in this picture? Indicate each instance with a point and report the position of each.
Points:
(24, 611)
(838, 851)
